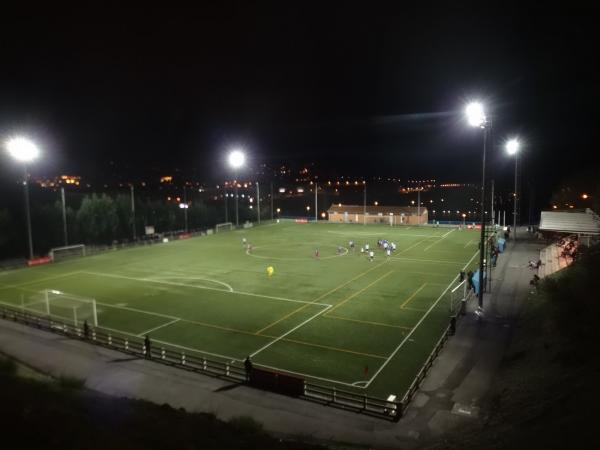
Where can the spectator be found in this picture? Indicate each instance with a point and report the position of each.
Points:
(86, 330)
(148, 347)
(248, 367)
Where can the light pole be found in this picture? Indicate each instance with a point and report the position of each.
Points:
(24, 151)
(476, 118)
(236, 160)
(512, 148)
(185, 207)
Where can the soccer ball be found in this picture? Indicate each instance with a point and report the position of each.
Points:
(270, 270)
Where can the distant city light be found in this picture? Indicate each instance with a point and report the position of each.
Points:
(584, 196)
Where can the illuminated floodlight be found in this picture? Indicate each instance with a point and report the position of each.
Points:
(236, 159)
(475, 114)
(184, 206)
(22, 149)
(512, 146)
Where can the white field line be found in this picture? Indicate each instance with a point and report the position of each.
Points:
(249, 294)
(158, 327)
(291, 331)
(426, 260)
(383, 232)
(469, 243)
(39, 280)
(128, 308)
(305, 375)
(196, 350)
(293, 259)
(407, 337)
(181, 276)
(442, 238)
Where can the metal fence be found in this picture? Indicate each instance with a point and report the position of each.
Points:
(196, 362)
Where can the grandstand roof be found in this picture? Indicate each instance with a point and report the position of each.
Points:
(375, 210)
(582, 222)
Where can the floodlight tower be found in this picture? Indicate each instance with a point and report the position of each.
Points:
(512, 148)
(477, 119)
(24, 151)
(236, 161)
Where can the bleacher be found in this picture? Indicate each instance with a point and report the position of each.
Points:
(557, 256)
(576, 221)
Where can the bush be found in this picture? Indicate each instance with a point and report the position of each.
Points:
(246, 425)
(7, 366)
(68, 382)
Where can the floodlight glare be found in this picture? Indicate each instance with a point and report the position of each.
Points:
(236, 159)
(475, 114)
(22, 149)
(512, 146)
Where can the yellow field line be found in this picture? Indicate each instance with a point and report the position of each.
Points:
(412, 246)
(360, 291)
(39, 280)
(333, 348)
(366, 322)
(319, 298)
(441, 239)
(408, 308)
(412, 296)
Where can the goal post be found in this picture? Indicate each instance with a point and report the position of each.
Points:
(60, 305)
(226, 226)
(59, 253)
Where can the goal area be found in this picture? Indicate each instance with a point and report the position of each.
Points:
(69, 251)
(62, 306)
(226, 226)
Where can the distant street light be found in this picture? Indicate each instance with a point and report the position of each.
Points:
(24, 151)
(236, 159)
(512, 148)
(476, 117)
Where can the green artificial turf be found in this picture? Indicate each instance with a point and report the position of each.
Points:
(366, 326)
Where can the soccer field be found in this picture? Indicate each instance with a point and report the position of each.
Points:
(361, 325)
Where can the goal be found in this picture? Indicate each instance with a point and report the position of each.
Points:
(62, 306)
(59, 253)
(227, 226)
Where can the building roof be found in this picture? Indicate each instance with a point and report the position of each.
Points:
(375, 210)
(584, 222)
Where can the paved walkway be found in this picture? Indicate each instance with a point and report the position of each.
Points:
(451, 395)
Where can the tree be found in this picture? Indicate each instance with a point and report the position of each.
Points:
(97, 219)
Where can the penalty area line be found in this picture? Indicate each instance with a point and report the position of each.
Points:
(290, 331)
(407, 337)
(158, 327)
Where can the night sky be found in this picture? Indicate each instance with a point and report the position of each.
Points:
(364, 90)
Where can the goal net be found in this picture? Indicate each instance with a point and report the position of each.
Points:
(62, 306)
(227, 226)
(59, 253)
